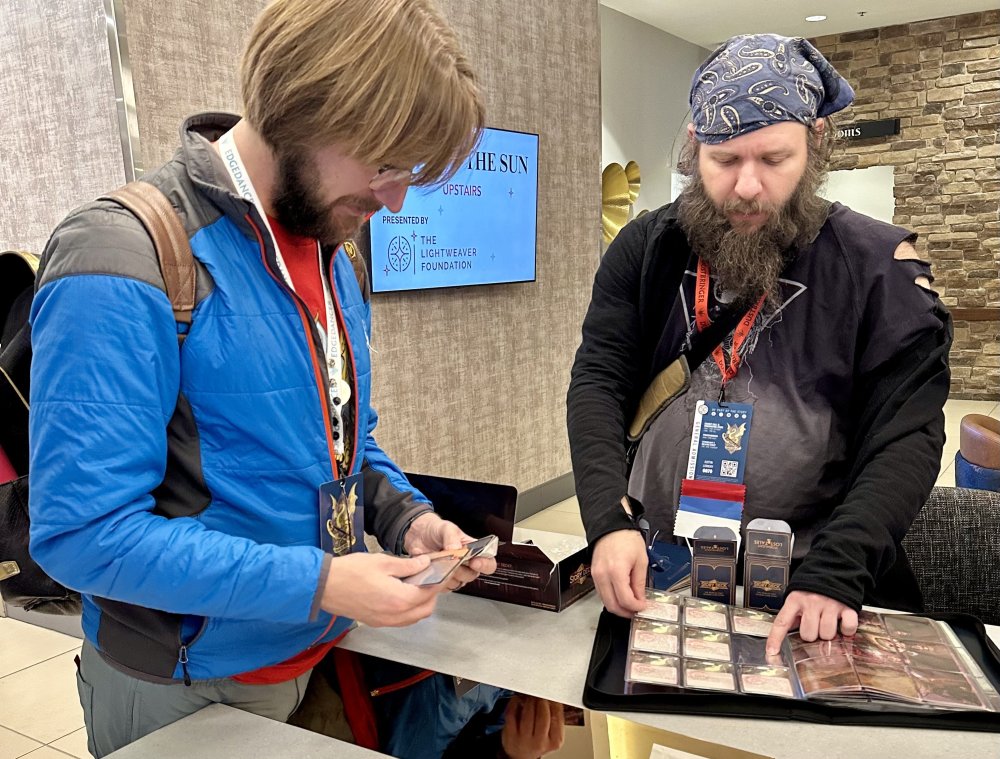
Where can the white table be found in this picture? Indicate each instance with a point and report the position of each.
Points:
(545, 654)
(221, 732)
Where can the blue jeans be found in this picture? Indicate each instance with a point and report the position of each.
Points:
(421, 721)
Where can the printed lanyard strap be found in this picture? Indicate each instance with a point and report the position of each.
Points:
(703, 322)
(244, 186)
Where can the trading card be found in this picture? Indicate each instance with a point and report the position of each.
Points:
(906, 627)
(751, 621)
(921, 655)
(645, 667)
(752, 652)
(826, 674)
(661, 606)
(947, 689)
(709, 675)
(870, 622)
(485, 547)
(864, 650)
(706, 644)
(816, 649)
(653, 636)
(888, 680)
(698, 613)
(890, 645)
(443, 563)
(767, 681)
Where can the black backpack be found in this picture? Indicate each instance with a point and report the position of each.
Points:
(22, 582)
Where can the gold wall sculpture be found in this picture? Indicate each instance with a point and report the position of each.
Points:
(619, 190)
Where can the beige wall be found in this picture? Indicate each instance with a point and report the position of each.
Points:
(59, 143)
(469, 382)
(941, 78)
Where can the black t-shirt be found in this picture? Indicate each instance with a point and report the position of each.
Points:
(848, 305)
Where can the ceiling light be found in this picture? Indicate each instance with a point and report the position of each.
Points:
(815, 18)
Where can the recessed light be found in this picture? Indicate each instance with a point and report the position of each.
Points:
(815, 18)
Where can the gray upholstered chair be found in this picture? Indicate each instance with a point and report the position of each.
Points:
(954, 549)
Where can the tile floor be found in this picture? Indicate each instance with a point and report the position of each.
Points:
(40, 715)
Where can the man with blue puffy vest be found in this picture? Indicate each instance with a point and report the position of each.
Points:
(179, 483)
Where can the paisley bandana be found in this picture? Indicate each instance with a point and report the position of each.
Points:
(755, 80)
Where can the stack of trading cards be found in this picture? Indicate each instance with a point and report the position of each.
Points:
(894, 658)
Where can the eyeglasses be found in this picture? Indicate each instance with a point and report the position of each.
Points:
(389, 176)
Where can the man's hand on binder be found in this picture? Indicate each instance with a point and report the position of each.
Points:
(619, 568)
(816, 616)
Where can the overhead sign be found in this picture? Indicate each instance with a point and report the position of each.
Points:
(864, 130)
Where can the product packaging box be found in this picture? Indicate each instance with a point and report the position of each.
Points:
(545, 570)
(713, 564)
(767, 560)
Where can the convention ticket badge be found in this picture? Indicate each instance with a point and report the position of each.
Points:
(718, 456)
(706, 644)
(654, 637)
(654, 669)
(709, 675)
(698, 613)
(719, 441)
(750, 622)
(342, 516)
(661, 606)
(767, 681)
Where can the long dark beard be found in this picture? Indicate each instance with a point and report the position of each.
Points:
(747, 264)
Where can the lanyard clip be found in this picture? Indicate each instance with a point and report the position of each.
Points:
(722, 392)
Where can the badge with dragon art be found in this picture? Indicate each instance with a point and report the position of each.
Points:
(719, 442)
(341, 511)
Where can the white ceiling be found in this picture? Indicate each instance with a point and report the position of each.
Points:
(709, 22)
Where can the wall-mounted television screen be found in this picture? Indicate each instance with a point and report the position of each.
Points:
(478, 229)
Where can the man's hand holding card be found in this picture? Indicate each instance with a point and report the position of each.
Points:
(456, 558)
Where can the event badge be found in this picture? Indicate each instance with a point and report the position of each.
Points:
(713, 493)
(342, 516)
(719, 442)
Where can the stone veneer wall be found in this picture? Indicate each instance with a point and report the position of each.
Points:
(941, 78)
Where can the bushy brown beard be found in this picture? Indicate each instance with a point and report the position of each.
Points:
(299, 207)
(748, 264)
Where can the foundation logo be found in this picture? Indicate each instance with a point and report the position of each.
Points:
(400, 254)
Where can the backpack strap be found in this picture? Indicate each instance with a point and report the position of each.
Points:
(173, 250)
(360, 269)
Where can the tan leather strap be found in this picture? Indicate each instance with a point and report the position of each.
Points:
(360, 270)
(173, 250)
(662, 391)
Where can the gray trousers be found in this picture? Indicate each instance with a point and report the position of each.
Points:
(119, 709)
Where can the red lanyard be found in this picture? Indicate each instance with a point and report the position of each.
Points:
(741, 333)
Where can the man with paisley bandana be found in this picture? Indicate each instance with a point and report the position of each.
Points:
(842, 353)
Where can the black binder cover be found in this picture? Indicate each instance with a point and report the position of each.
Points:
(605, 689)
